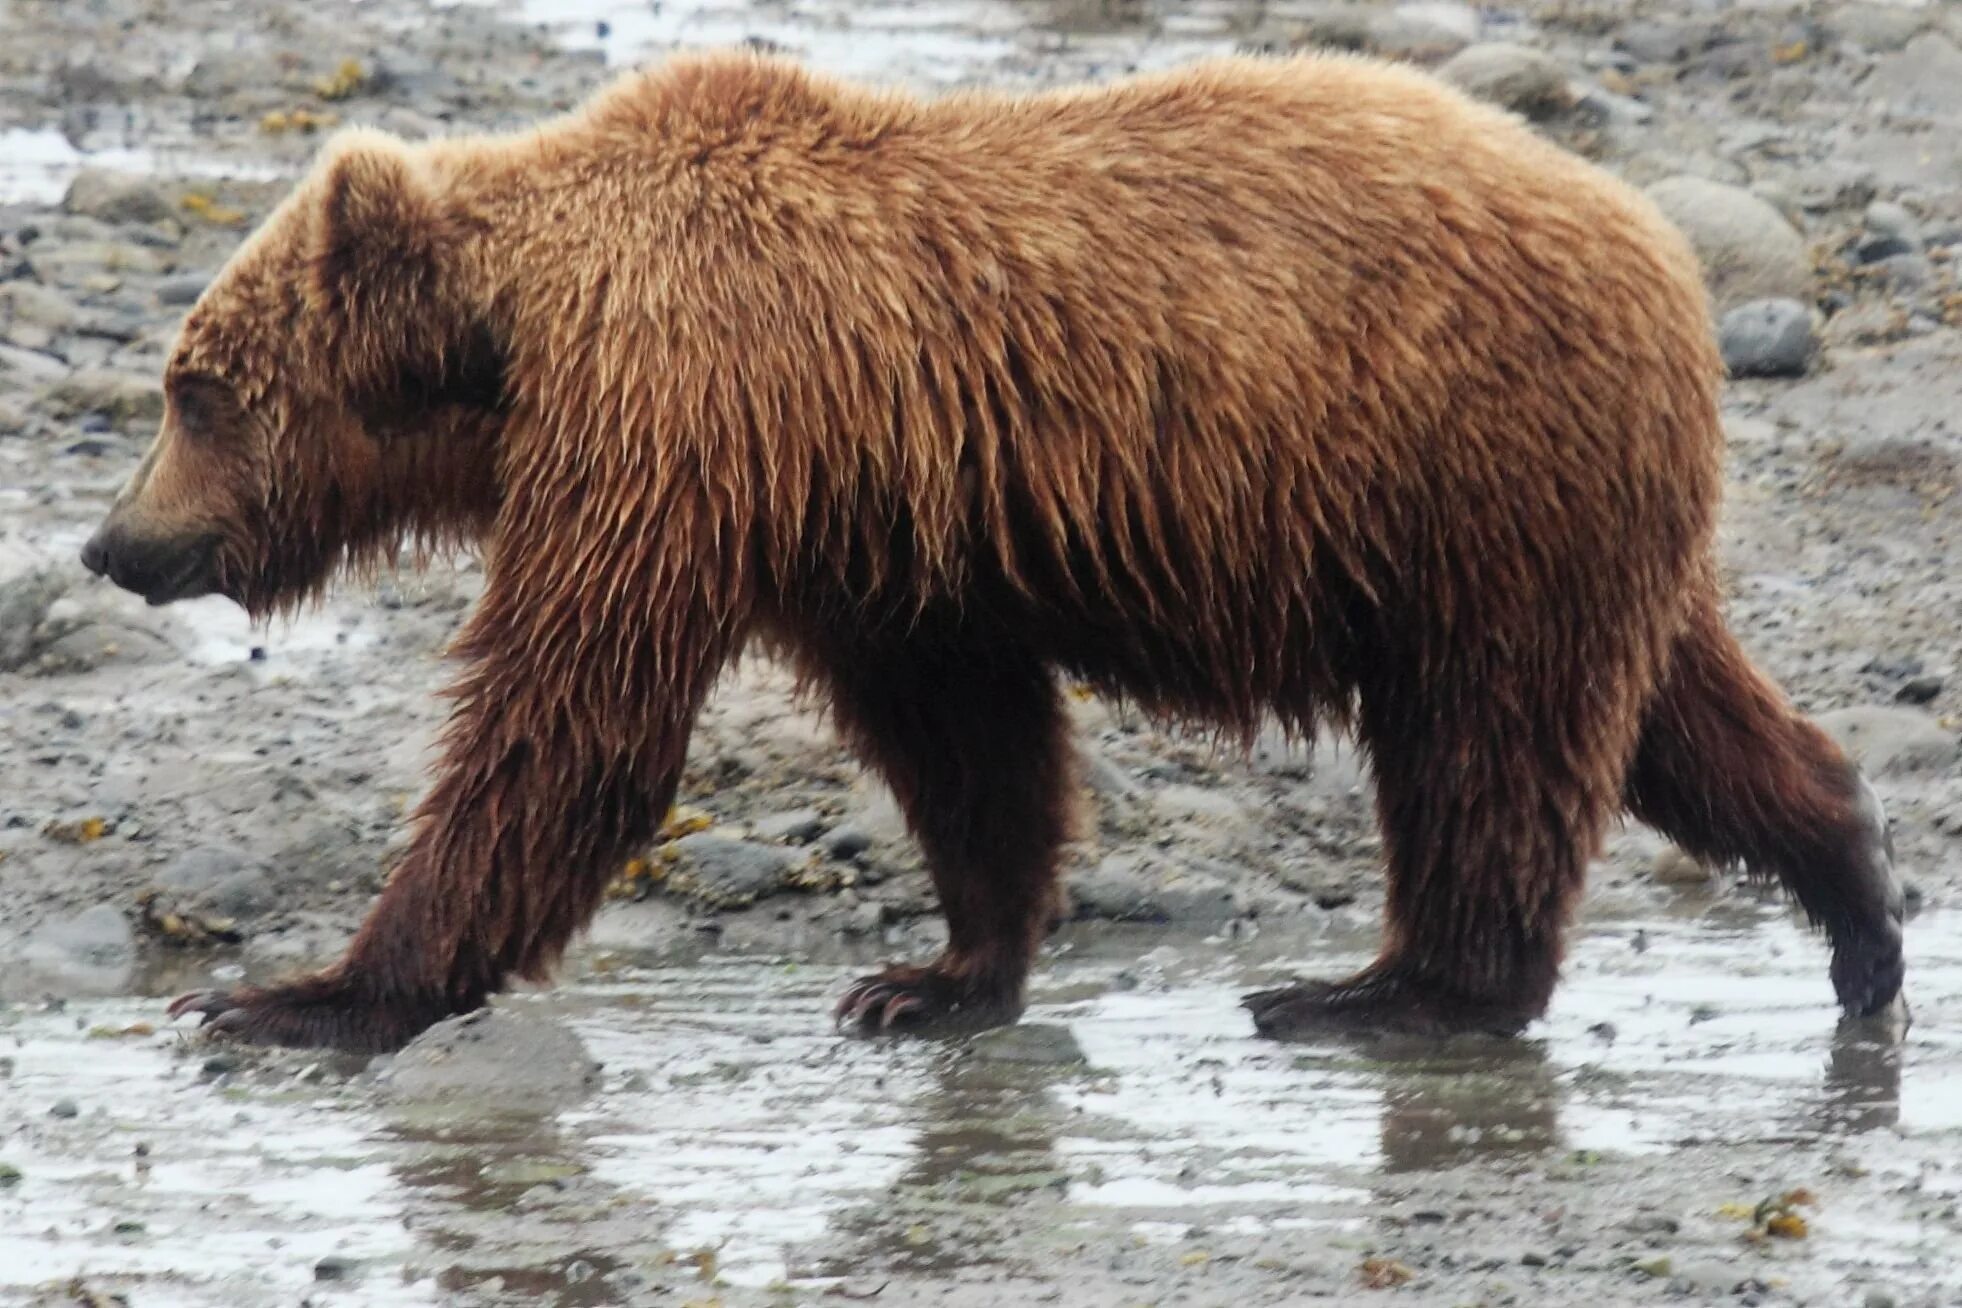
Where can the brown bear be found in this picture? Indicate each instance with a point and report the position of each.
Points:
(1304, 388)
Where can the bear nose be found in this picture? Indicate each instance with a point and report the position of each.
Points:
(95, 556)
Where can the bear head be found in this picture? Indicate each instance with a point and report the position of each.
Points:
(335, 393)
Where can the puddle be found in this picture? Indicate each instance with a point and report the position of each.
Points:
(218, 632)
(732, 1119)
(37, 163)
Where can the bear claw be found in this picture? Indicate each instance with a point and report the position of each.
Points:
(916, 999)
(1374, 1003)
(305, 1015)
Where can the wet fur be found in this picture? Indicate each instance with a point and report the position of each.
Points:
(1305, 388)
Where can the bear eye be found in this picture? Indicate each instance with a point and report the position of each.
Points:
(203, 405)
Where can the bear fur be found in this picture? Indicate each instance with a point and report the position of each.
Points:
(1305, 388)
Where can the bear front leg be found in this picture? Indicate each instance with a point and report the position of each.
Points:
(564, 752)
(975, 747)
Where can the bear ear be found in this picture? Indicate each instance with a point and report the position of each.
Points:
(380, 225)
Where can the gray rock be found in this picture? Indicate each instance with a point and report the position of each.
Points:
(123, 397)
(1127, 887)
(799, 827)
(24, 605)
(1667, 42)
(1037, 1043)
(1923, 78)
(1885, 218)
(848, 842)
(182, 289)
(1748, 250)
(32, 315)
(1768, 338)
(491, 1059)
(1876, 28)
(225, 71)
(1887, 741)
(31, 367)
(78, 262)
(1511, 76)
(100, 937)
(116, 197)
(1905, 272)
(217, 880)
(326, 852)
(726, 873)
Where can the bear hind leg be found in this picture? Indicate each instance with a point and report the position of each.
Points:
(1491, 807)
(975, 748)
(1733, 775)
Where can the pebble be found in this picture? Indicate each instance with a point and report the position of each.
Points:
(1886, 218)
(728, 873)
(125, 397)
(1923, 78)
(114, 197)
(491, 1059)
(1748, 250)
(1768, 338)
(335, 1268)
(1878, 1299)
(1511, 76)
(1889, 741)
(220, 880)
(65, 1108)
(848, 842)
(799, 827)
(1040, 1043)
(1130, 887)
(99, 937)
(182, 289)
(1919, 690)
(24, 604)
(1666, 42)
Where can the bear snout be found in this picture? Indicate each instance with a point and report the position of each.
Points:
(160, 569)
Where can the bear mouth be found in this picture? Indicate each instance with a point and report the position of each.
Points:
(191, 576)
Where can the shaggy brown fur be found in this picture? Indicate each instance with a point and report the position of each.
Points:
(1303, 387)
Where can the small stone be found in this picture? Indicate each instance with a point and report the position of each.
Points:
(182, 289)
(65, 1108)
(1876, 1298)
(848, 842)
(1919, 690)
(25, 602)
(1888, 741)
(100, 937)
(1532, 1258)
(122, 396)
(800, 827)
(1673, 867)
(1511, 76)
(1657, 1268)
(220, 1065)
(727, 873)
(1768, 338)
(1748, 250)
(335, 1268)
(1905, 272)
(1029, 1042)
(492, 1059)
(1667, 42)
(219, 880)
(113, 197)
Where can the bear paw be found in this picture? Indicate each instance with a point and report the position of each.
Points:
(1868, 969)
(1378, 1002)
(312, 1013)
(924, 999)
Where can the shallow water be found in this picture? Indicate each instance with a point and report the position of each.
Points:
(731, 1118)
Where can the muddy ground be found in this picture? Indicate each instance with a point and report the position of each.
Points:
(183, 797)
